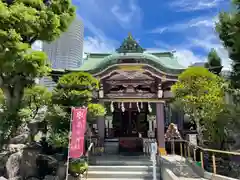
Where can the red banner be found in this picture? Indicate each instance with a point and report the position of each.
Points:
(78, 128)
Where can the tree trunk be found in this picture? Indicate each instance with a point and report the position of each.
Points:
(199, 131)
(13, 97)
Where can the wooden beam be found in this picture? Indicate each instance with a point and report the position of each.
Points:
(134, 100)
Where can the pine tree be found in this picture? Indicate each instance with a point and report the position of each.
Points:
(214, 63)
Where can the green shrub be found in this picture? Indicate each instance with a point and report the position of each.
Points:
(78, 166)
(59, 139)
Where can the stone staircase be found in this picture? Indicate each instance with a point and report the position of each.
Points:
(122, 167)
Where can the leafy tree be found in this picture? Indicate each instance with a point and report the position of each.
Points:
(35, 101)
(22, 23)
(228, 28)
(201, 94)
(76, 89)
(225, 127)
(214, 63)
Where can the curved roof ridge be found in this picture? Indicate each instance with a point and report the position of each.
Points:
(172, 63)
(164, 62)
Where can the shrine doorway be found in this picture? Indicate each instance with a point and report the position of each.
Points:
(130, 127)
(129, 123)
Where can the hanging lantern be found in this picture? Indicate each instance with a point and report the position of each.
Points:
(141, 105)
(100, 92)
(149, 108)
(112, 107)
(138, 107)
(160, 93)
(130, 105)
(122, 107)
(119, 105)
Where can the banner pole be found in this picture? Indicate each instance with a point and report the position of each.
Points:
(69, 141)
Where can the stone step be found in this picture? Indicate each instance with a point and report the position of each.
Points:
(119, 178)
(122, 161)
(123, 168)
(120, 174)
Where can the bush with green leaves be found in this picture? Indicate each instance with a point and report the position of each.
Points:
(78, 166)
(59, 139)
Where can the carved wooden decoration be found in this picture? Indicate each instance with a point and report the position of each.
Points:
(130, 84)
(130, 75)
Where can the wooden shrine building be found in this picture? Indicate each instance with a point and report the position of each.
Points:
(135, 89)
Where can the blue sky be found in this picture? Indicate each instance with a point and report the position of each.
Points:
(186, 26)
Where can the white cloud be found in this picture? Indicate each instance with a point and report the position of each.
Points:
(199, 33)
(107, 14)
(206, 22)
(98, 42)
(95, 44)
(127, 17)
(37, 45)
(194, 5)
(209, 43)
(186, 57)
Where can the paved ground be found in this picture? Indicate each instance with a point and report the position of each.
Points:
(177, 164)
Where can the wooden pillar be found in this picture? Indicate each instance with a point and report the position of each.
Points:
(160, 128)
(180, 119)
(101, 129)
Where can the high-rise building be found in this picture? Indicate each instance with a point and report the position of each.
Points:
(67, 51)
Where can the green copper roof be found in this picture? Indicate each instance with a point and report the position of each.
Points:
(130, 49)
(162, 61)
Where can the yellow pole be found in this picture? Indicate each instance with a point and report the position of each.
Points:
(181, 149)
(214, 164)
(202, 162)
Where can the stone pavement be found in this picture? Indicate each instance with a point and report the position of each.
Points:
(180, 169)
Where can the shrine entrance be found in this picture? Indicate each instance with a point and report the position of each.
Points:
(131, 122)
(130, 125)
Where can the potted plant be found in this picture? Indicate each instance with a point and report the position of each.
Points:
(78, 167)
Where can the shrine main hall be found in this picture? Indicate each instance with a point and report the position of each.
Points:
(135, 88)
